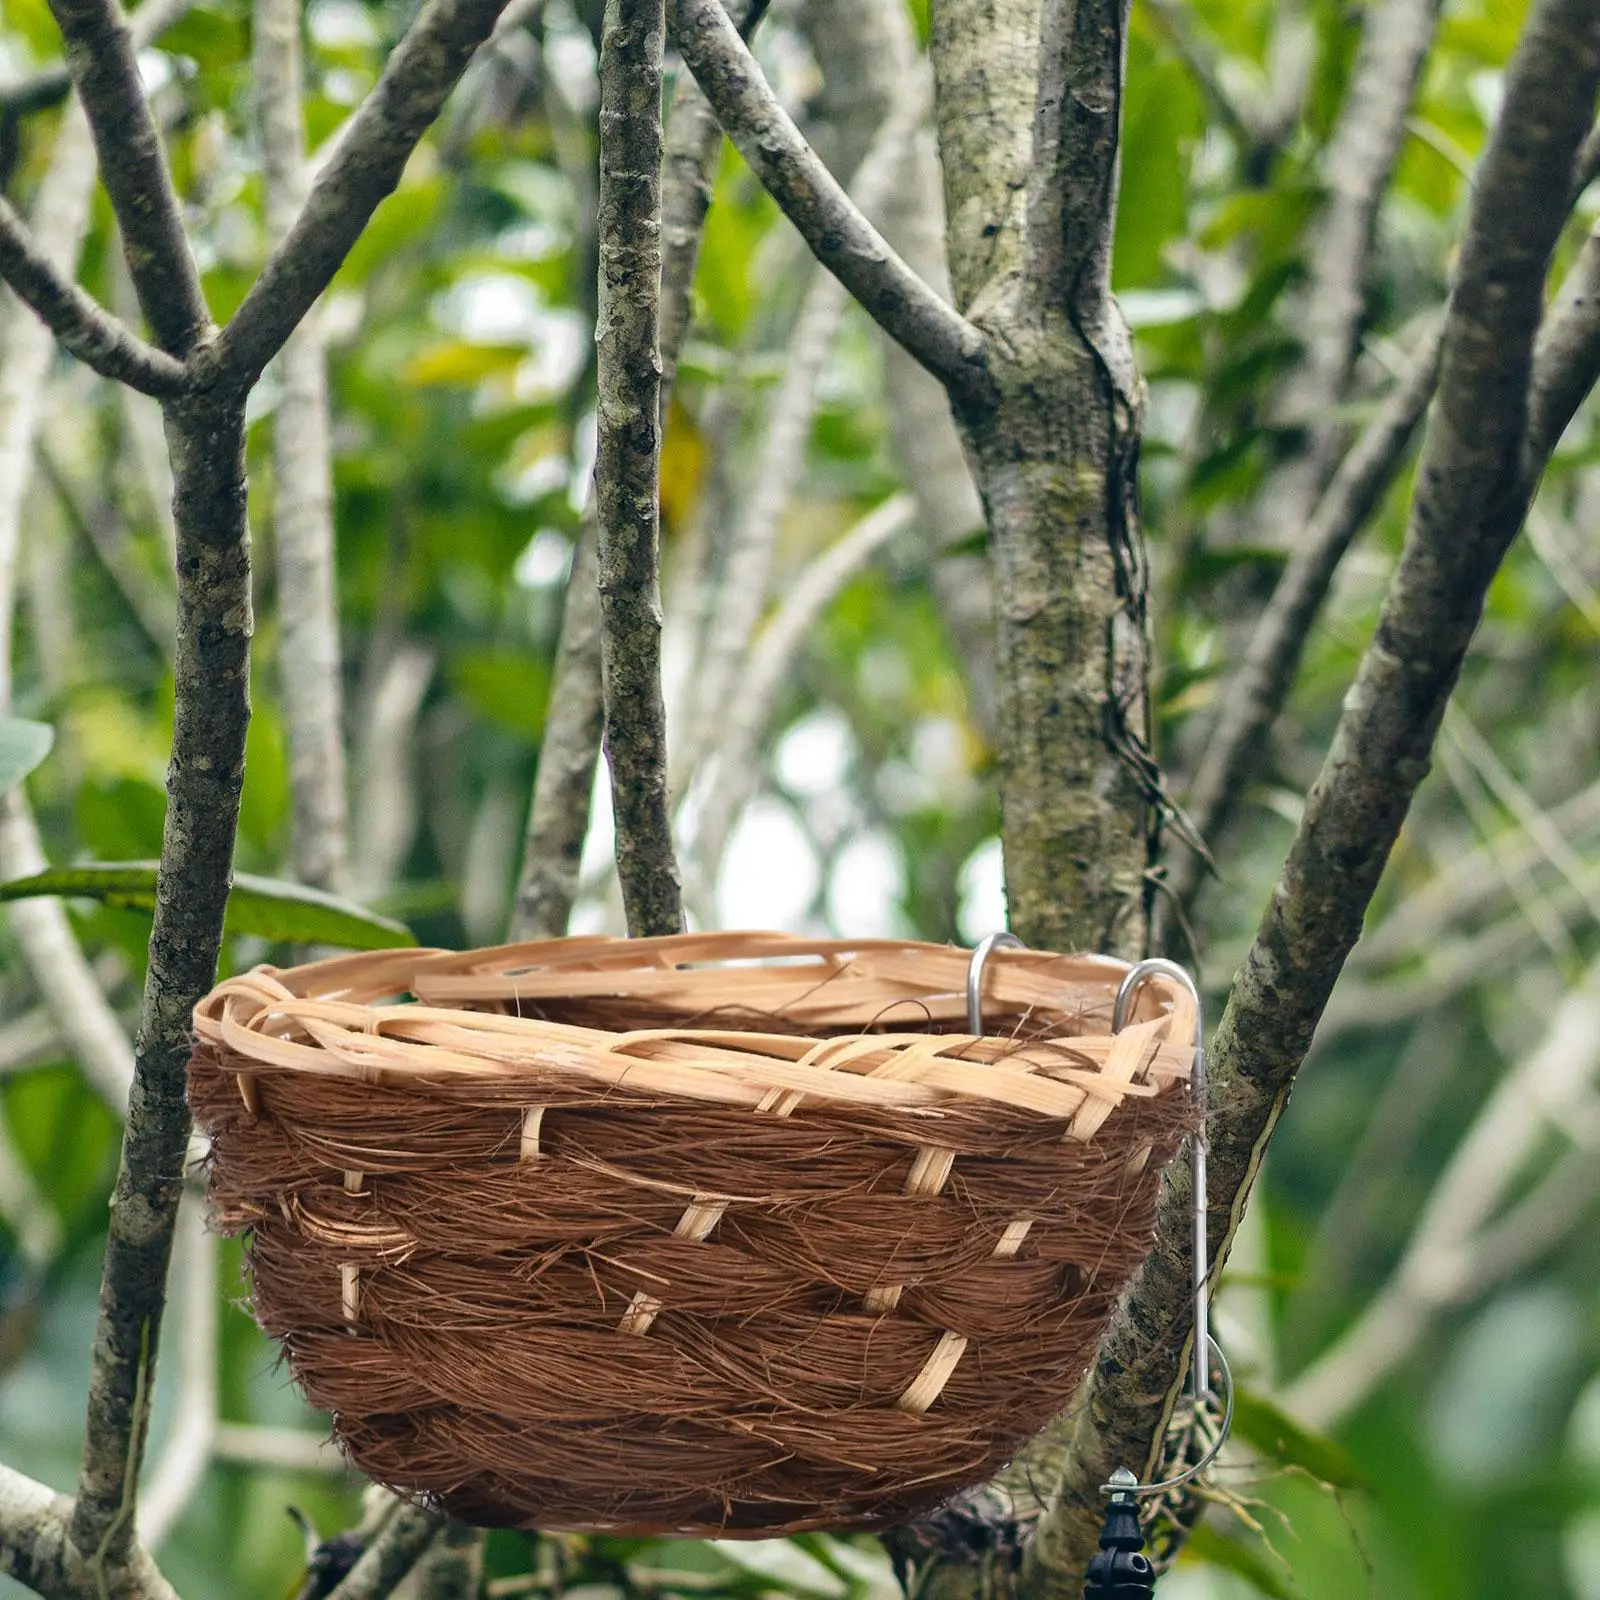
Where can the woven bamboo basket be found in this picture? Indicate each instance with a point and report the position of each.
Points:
(723, 1234)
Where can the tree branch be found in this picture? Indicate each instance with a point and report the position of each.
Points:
(1470, 500)
(558, 818)
(181, 1466)
(628, 461)
(310, 667)
(1357, 166)
(835, 231)
(36, 1550)
(1586, 168)
(1443, 1264)
(770, 665)
(452, 1568)
(363, 171)
(51, 85)
(985, 57)
(392, 1553)
(742, 592)
(1072, 179)
(60, 971)
(865, 51)
(1566, 366)
(1258, 690)
(1566, 360)
(688, 168)
(44, 934)
(563, 784)
(101, 57)
(1249, 121)
(205, 775)
(85, 329)
(385, 752)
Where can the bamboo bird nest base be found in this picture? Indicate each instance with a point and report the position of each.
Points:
(723, 1234)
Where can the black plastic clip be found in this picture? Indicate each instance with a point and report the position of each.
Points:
(1121, 1571)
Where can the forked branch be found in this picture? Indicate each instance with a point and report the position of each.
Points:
(101, 57)
(85, 329)
(811, 197)
(363, 171)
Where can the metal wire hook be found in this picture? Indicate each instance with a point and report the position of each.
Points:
(1206, 1348)
(1213, 1450)
(1137, 977)
(986, 946)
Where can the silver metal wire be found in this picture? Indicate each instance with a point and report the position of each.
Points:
(1206, 1349)
(1138, 976)
(1212, 1451)
(988, 944)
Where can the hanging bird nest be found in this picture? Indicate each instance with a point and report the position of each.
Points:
(722, 1234)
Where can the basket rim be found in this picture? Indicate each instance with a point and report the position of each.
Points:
(339, 1017)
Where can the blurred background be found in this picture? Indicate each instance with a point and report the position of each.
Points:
(1414, 1306)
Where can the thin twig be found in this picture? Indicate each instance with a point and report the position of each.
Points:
(60, 216)
(286, 1449)
(49, 86)
(628, 461)
(569, 746)
(101, 55)
(392, 1553)
(1539, 826)
(866, 51)
(747, 574)
(1566, 359)
(1470, 500)
(770, 665)
(1357, 167)
(31, 1039)
(1454, 968)
(385, 784)
(362, 171)
(1257, 692)
(179, 1469)
(310, 668)
(835, 231)
(688, 166)
(85, 329)
(97, 1041)
(1246, 118)
(558, 819)
(1565, 367)
(148, 600)
(1443, 1264)
(44, 934)
(1467, 778)
(1468, 885)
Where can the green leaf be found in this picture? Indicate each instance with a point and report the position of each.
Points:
(507, 687)
(23, 745)
(266, 907)
(460, 364)
(1261, 1422)
(1215, 1549)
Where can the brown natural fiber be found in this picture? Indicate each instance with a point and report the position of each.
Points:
(718, 1234)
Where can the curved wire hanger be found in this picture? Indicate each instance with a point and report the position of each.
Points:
(1205, 1349)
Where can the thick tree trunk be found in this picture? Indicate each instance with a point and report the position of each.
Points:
(1054, 457)
(1055, 463)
